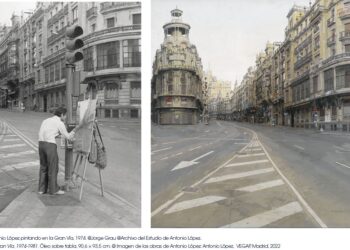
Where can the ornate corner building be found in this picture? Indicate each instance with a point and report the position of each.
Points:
(111, 70)
(177, 76)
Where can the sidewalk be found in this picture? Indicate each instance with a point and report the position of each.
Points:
(30, 209)
(129, 121)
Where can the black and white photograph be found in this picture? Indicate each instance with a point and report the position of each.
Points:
(70, 114)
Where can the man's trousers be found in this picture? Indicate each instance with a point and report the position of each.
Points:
(48, 167)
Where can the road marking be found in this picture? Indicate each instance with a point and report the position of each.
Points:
(249, 155)
(341, 164)
(11, 135)
(164, 158)
(194, 148)
(246, 163)
(185, 164)
(207, 131)
(7, 140)
(183, 205)
(261, 186)
(13, 146)
(300, 198)
(239, 175)
(178, 154)
(253, 149)
(169, 202)
(268, 217)
(163, 149)
(241, 143)
(299, 147)
(20, 165)
(35, 147)
(2, 156)
(200, 157)
(165, 143)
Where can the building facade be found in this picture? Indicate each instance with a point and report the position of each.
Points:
(177, 76)
(304, 81)
(110, 71)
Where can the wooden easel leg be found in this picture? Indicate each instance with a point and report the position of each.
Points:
(83, 179)
(99, 171)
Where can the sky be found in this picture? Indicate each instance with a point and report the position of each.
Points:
(228, 34)
(7, 8)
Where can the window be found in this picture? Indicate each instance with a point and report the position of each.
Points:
(135, 88)
(93, 27)
(57, 71)
(52, 72)
(328, 80)
(39, 79)
(111, 91)
(47, 74)
(343, 77)
(110, 22)
(136, 19)
(75, 14)
(132, 53)
(63, 68)
(315, 84)
(347, 48)
(183, 83)
(88, 59)
(108, 55)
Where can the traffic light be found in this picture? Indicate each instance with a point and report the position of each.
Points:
(73, 44)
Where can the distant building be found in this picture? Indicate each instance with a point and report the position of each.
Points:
(177, 76)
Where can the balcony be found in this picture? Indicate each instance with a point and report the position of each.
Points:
(110, 6)
(317, 11)
(92, 12)
(331, 41)
(336, 59)
(344, 13)
(302, 61)
(55, 37)
(330, 21)
(112, 30)
(344, 36)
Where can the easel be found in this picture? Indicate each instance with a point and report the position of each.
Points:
(83, 158)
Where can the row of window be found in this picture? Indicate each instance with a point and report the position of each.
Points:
(342, 80)
(108, 55)
(54, 72)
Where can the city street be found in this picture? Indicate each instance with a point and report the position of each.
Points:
(20, 164)
(241, 175)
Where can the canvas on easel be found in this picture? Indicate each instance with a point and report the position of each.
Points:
(83, 140)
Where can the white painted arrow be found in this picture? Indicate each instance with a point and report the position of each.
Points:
(185, 164)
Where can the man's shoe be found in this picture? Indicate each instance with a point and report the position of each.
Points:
(40, 192)
(59, 192)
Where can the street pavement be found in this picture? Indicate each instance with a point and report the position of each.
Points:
(21, 206)
(273, 177)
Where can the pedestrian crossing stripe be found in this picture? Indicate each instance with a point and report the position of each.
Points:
(266, 218)
(183, 205)
(2, 156)
(249, 155)
(20, 165)
(246, 163)
(7, 140)
(239, 175)
(261, 186)
(13, 146)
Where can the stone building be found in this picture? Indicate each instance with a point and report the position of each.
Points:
(177, 76)
(304, 81)
(9, 64)
(33, 65)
